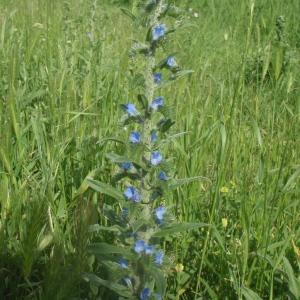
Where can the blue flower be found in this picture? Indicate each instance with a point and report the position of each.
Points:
(158, 31)
(160, 212)
(149, 249)
(130, 109)
(156, 158)
(162, 176)
(157, 103)
(123, 263)
(154, 137)
(159, 257)
(171, 62)
(126, 166)
(145, 294)
(132, 194)
(157, 77)
(139, 246)
(135, 137)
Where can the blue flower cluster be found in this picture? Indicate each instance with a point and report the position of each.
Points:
(145, 141)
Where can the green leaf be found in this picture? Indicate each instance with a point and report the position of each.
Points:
(182, 73)
(104, 248)
(249, 294)
(105, 188)
(97, 227)
(176, 228)
(128, 13)
(293, 281)
(178, 182)
(160, 280)
(291, 180)
(118, 288)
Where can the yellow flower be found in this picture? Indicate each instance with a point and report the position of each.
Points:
(179, 268)
(224, 222)
(224, 190)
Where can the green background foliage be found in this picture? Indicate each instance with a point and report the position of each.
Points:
(63, 73)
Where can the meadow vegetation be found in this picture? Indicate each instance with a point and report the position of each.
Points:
(65, 71)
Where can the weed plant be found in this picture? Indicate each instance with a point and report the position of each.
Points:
(65, 72)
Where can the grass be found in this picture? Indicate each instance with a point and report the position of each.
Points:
(64, 72)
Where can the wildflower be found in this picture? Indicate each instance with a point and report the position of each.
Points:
(132, 194)
(160, 212)
(157, 103)
(135, 137)
(224, 190)
(154, 137)
(171, 62)
(139, 246)
(224, 222)
(149, 249)
(162, 176)
(159, 256)
(130, 109)
(145, 294)
(157, 77)
(156, 158)
(126, 166)
(179, 268)
(123, 263)
(158, 32)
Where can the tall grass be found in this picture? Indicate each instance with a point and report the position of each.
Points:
(63, 70)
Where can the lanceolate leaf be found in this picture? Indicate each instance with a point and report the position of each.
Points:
(177, 183)
(160, 280)
(176, 228)
(118, 288)
(105, 189)
(104, 248)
